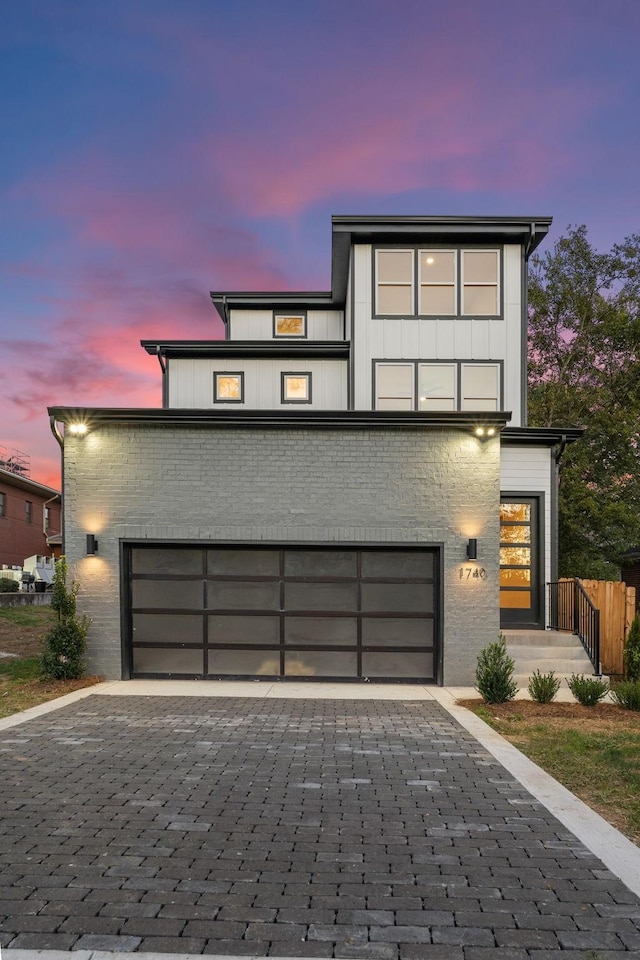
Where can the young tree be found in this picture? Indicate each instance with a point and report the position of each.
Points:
(584, 370)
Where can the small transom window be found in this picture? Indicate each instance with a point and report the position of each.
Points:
(290, 325)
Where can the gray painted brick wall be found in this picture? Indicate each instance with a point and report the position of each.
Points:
(337, 486)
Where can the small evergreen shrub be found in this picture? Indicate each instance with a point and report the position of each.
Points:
(543, 686)
(8, 586)
(588, 690)
(632, 651)
(494, 673)
(627, 694)
(65, 643)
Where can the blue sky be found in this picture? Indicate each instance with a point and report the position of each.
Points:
(155, 150)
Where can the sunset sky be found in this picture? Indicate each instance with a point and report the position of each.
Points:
(153, 150)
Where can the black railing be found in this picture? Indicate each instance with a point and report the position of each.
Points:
(570, 608)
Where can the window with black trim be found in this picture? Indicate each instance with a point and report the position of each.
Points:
(296, 387)
(3, 504)
(447, 385)
(28, 511)
(290, 325)
(228, 387)
(437, 282)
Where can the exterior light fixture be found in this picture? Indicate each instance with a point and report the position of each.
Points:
(472, 549)
(78, 428)
(485, 432)
(92, 545)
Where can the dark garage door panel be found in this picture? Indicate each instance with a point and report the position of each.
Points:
(297, 612)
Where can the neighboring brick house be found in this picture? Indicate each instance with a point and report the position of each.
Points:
(343, 488)
(29, 519)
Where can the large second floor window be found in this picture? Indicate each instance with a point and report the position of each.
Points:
(437, 283)
(455, 385)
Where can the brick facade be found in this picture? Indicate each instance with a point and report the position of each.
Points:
(284, 485)
(20, 538)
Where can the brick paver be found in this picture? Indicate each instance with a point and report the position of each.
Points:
(267, 827)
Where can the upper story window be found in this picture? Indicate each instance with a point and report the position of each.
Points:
(295, 388)
(437, 283)
(46, 518)
(3, 504)
(28, 511)
(292, 325)
(228, 387)
(412, 385)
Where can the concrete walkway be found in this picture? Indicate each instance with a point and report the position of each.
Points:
(296, 820)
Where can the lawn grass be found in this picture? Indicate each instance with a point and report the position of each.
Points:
(594, 754)
(27, 616)
(21, 685)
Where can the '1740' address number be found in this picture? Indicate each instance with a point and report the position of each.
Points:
(472, 573)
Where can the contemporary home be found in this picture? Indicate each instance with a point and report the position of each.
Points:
(30, 520)
(343, 488)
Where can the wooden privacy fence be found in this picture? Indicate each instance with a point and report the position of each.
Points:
(617, 604)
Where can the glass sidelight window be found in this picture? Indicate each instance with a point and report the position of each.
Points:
(519, 600)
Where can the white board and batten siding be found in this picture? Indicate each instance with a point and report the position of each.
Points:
(528, 470)
(258, 324)
(191, 383)
(429, 339)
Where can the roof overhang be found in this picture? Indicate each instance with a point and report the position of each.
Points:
(540, 436)
(94, 417)
(24, 483)
(271, 300)
(274, 349)
(347, 230)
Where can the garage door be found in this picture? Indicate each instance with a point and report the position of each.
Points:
(294, 612)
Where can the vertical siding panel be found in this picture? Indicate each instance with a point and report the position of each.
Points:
(480, 340)
(463, 344)
(445, 343)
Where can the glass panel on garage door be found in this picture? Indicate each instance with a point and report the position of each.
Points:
(295, 612)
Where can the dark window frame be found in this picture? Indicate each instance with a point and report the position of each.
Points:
(3, 504)
(417, 249)
(431, 362)
(28, 511)
(228, 373)
(295, 373)
(291, 336)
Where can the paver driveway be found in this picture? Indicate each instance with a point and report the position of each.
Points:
(299, 828)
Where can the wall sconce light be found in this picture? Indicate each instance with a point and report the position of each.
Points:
(485, 432)
(79, 429)
(92, 545)
(472, 549)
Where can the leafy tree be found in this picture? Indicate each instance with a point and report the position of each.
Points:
(584, 371)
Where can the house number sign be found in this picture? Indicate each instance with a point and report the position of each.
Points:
(472, 573)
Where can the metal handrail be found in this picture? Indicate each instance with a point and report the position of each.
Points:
(571, 608)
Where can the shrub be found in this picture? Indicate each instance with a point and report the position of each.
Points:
(632, 651)
(494, 673)
(627, 694)
(588, 690)
(543, 686)
(8, 586)
(66, 641)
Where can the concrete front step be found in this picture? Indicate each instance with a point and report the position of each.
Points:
(546, 650)
(540, 638)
